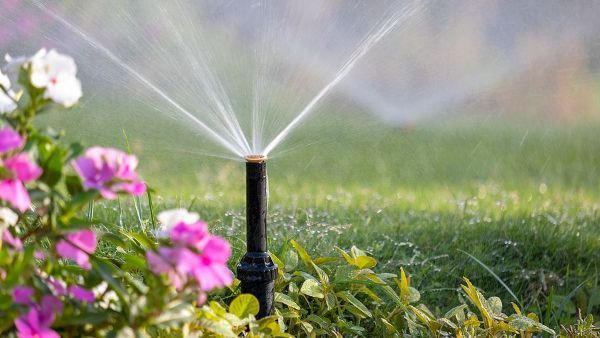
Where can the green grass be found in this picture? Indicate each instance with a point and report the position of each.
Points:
(523, 199)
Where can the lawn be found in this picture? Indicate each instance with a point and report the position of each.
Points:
(501, 203)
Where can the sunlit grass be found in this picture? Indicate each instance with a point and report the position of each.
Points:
(523, 202)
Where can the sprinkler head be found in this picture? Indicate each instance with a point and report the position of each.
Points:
(256, 270)
(256, 158)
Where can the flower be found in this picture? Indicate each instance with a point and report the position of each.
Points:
(78, 246)
(82, 294)
(8, 217)
(9, 239)
(161, 263)
(7, 96)
(169, 218)
(10, 140)
(23, 295)
(193, 234)
(212, 271)
(21, 170)
(56, 72)
(195, 255)
(109, 171)
(36, 323)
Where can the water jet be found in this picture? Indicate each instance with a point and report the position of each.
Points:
(256, 270)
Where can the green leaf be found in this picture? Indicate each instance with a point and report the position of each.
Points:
(73, 184)
(321, 322)
(524, 323)
(312, 288)
(52, 165)
(133, 262)
(106, 270)
(495, 305)
(285, 299)
(347, 296)
(302, 253)
(365, 262)
(290, 260)
(323, 277)
(244, 305)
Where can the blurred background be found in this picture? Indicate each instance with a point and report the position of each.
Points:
(500, 79)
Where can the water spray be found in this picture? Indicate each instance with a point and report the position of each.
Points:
(256, 270)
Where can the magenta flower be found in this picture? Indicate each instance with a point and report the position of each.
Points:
(78, 246)
(192, 234)
(162, 263)
(109, 171)
(20, 170)
(23, 295)
(9, 239)
(196, 255)
(10, 140)
(36, 323)
(82, 294)
(212, 271)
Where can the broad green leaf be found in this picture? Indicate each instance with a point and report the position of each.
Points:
(349, 259)
(308, 329)
(326, 260)
(302, 253)
(321, 322)
(244, 305)
(290, 260)
(523, 323)
(365, 262)
(323, 277)
(312, 288)
(285, 299)
(347, 296)
(495, 304)
(356, 252)
(458, 312)
(388, 326)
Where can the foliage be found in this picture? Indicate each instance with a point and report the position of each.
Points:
(43, 229)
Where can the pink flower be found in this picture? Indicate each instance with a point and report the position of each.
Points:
(9, 239)
(193, 234)
(196, 255)
(212, 271)
(57, 286)
(36, 323)
(82, 294)
(10, 140)
(78, 246)
(161, 264)
(20, 170)
(109, 171)
(23, 295)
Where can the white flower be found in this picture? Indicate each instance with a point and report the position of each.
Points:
(7, 103)
(169, 218)
(56, 72)
(7, 218)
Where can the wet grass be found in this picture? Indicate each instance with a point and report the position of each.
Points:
(523, 200)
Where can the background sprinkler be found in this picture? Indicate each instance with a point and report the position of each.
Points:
(256, 270)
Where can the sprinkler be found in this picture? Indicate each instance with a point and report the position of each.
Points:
(256, 270)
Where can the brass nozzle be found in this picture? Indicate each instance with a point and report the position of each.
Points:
(255, 158)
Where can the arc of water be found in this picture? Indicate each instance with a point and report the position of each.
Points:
(92, 42)
(361, 51)
(209, 82)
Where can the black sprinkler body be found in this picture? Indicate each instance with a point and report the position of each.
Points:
(256, 270)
